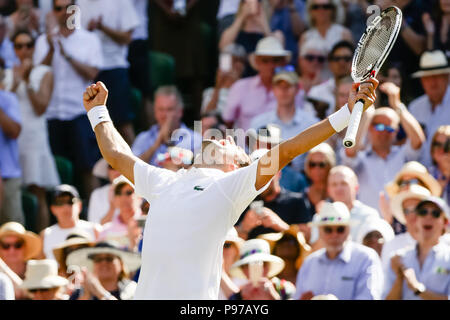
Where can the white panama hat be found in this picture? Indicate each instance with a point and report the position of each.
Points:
(332, 213)
(271, 47)
(43, 274)
(432, 63)
(256, 250)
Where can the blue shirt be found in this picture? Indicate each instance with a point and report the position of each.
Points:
(9, 150)
(434, 273)
(355, 274)
(187, 139)
(7, 54)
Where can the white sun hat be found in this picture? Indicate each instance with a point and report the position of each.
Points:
(271, 47)
(332, 213)
(375, 224)
(256, 250)
(43, 274)
(432, 63)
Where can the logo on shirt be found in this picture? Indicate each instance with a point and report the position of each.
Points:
(198, 188)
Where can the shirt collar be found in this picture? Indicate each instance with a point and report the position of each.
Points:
(344, 255)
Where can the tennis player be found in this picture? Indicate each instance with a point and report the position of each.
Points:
(192, 210)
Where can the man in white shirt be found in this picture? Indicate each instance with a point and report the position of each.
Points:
(379, 164)
(433, 108)
(192, 210)
(114, 23)
(343, 186)
(75, 57)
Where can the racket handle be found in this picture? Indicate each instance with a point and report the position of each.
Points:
(353, 125)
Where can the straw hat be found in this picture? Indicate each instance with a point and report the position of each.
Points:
(414, 192)
(82, 257)
(43, 274)
(75, 239)
(271, 47)
(418, 170)
(375, 224)
(33, 243)
(294, 232)
(335, 213)
(256, 250)
(432, 63)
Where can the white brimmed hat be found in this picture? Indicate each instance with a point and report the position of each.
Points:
(375, 224)
(418, 170)
(271, 47)
(256, 250)
(82, 257)
(332, 213)
(33, 243)
(414, 192)
(432, 63)
(121, 180)
(42, 274)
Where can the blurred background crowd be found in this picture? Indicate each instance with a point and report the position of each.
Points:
(370, 222)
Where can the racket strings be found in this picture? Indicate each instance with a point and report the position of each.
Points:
(372, 48)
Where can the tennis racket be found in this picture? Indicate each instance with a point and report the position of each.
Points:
(373, 48)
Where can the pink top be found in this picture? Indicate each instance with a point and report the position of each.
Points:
(247, 98)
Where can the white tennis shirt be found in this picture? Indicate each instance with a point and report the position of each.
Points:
(190, 214)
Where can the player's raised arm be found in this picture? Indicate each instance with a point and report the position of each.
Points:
(279, 156)
(113, 147)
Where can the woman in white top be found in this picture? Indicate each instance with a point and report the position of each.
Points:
(325, 21)
(33, 86)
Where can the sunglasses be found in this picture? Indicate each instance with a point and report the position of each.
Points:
(404, 183)
(329, 230)
(19, 46)
(97, 259)
(321, 165)
(407, 211)
(322, 6)
(39, 290)
(61, 203)
(381, 127)
(288, 68)
(267, 60)
(61, 8)
(16, 245)
(442, 146)
(339, 58)
(227, 245)
(436, 213)
(126, 193)
(311, 58)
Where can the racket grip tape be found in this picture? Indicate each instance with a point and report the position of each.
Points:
(353, 125)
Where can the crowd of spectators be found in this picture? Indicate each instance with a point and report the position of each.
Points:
(369, 222)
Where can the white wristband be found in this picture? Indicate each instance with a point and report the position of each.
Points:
(339, 120)
(97, 115)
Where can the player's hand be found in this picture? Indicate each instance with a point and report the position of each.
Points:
(365, 91)
(95, 95)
